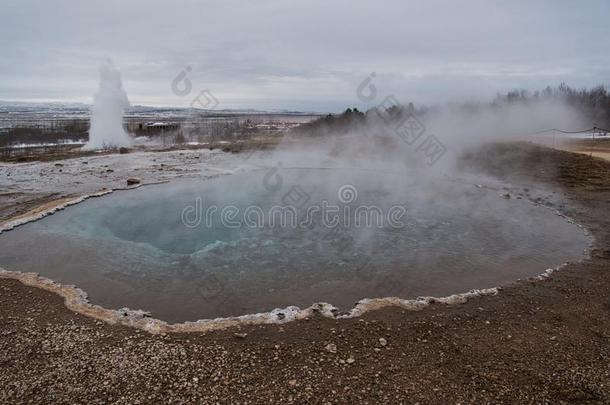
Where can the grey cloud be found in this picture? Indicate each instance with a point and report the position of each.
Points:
(278, 54)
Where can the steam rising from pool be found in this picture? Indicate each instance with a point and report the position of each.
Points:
(462, 230)
(107, 112)
(132, 248)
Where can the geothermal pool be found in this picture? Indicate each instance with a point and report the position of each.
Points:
(253, 242)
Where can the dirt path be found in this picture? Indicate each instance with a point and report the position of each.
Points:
(536, 342)
(602, 155)
(597, 148)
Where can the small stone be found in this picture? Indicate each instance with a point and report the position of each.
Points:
(383, 342)
(331, 347)
(351, 360)
(133, 181)
(240, 335)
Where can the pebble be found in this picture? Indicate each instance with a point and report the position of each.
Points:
(331, 347)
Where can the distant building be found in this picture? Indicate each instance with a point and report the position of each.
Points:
(161, 125)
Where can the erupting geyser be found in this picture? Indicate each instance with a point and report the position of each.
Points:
(106, 129)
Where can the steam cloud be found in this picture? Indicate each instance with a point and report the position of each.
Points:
(372, 156)
(109, 104)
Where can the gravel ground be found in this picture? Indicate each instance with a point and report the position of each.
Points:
(88, 174)
(536, 342)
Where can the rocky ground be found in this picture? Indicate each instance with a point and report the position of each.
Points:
(536, 342)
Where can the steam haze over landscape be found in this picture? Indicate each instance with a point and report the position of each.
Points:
(305, 202)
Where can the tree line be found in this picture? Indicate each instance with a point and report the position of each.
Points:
(593, 104)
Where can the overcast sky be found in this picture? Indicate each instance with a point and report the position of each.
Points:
(305, 55)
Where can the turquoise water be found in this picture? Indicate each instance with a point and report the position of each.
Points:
(146, 249)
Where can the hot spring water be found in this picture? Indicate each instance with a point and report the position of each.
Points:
(165, 249)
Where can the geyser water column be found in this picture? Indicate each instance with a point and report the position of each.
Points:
(106, 130)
